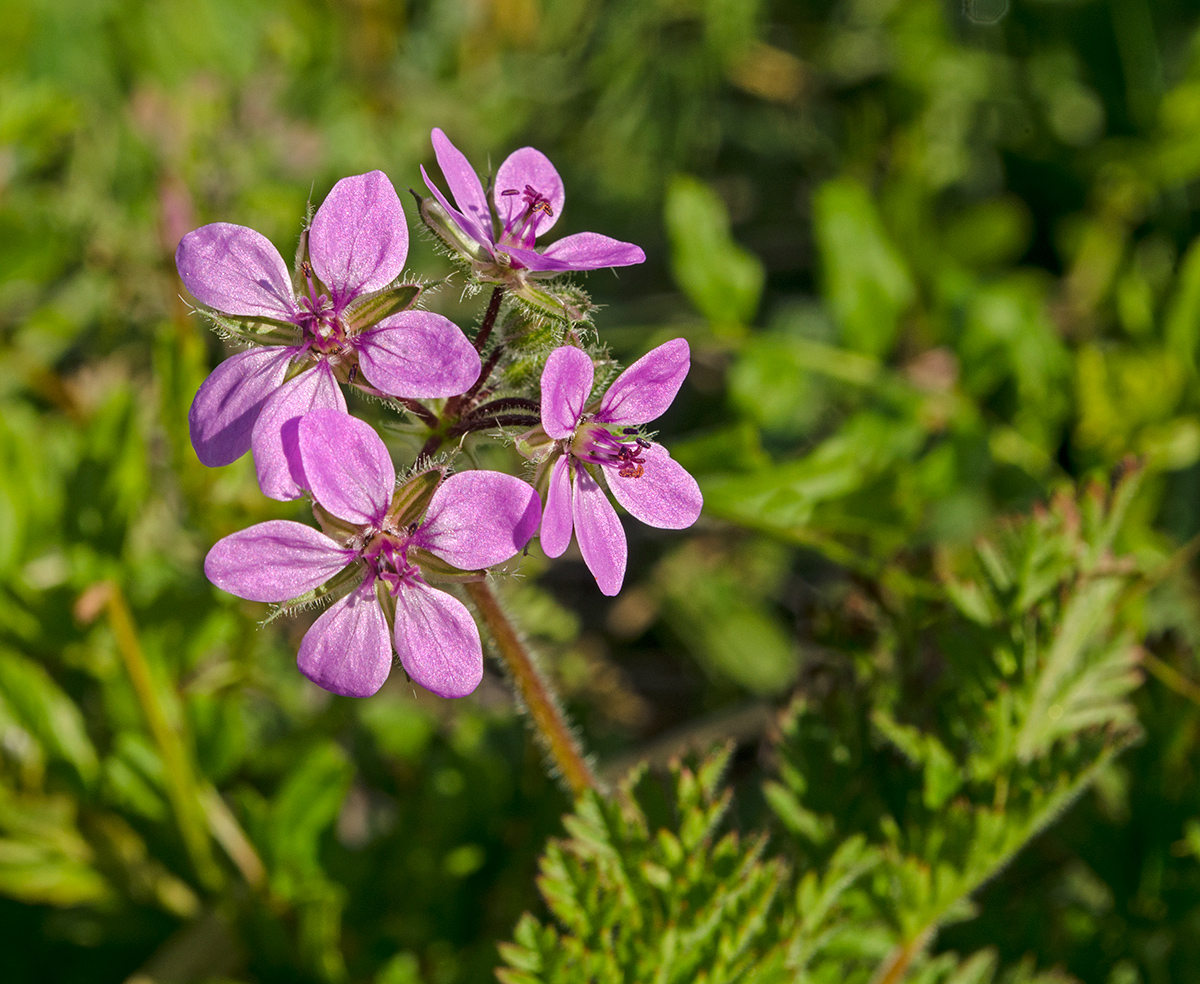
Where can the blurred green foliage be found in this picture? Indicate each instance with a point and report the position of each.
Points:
(938, 266)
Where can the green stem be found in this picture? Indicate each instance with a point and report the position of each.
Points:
(180, 780)
(535, 693)
(1171, 677)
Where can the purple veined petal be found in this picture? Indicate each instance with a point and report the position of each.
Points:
(469, 226)
(480, 518)
(555, 535)
(582, 251)
(464, 185)
(347, 651)
(592, 251)
(437, 640)
(230, 400)
(566, 384)
(346, 466)
(599, 532)
(522, 169)
(274, 561)
(359, 239)
(417, 354)
(645, 390)
(664, 495)
(236, 270)
(276, 435)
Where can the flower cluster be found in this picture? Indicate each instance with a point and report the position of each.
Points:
(346, 317)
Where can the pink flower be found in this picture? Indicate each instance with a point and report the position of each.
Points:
(357, 244)
(474, 520)
(639, 473)
(528, 197)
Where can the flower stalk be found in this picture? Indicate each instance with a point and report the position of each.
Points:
(535, 692)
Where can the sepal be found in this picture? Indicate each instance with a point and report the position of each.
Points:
(256, 329)
(438, 221)
(559, 300)
(435, 570)
(342, 583)
(333, 527)
(370, 309)
(411, 500)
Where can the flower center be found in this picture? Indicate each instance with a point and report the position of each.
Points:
(595, 443)
(386, 553)
(323, 330)
(521, 229)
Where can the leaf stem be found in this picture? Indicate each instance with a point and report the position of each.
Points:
(535, 693)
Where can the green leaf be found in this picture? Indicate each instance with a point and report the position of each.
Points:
(719, 277)
(865, 279)
(47, 713)
(305, 806)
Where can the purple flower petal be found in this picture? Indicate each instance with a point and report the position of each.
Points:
(275, 438)
(347, 650)
(346, 466)
(591, 251)
(566, 383)
(236, 270)
(599, 533)
(480, 518)
(229, 401)
(417, 354)
(664, 495)
(582, 251)
(437, 640)
(475, 217)
(555, 535)
(359, 239)
(274, 561)
(527, 169)
(645, 390)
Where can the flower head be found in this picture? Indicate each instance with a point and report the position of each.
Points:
(528, 198)
(389, 541)
(336, 328)
(606, 440)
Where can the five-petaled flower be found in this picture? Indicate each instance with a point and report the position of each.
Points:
(357, 245)
(528, 198)
(641, 474)
(475, 519)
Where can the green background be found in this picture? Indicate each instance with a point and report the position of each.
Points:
(934, 261)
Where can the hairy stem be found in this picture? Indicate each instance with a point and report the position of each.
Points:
(499, 420)
(506, 403)
(489, 318)
(427, 416)
(535, 693)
